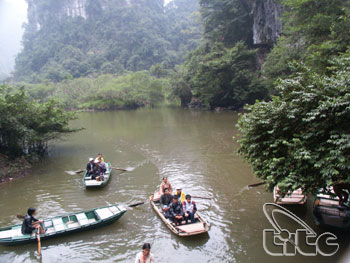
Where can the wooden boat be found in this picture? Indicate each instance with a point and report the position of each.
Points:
(327, 212)
(92, 183)
(63, 225)
(184, 230)
(295, 198)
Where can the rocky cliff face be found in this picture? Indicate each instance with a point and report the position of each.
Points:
(267, 24)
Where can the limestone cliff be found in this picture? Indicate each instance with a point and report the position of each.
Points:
(267, 23)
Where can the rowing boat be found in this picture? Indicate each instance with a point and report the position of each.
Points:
(327, 212)
(200, 226)
(295, 198)
(63, 225)
(92, 183)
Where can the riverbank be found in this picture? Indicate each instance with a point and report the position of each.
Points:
(13, 169)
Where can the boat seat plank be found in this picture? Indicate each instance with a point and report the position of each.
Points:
(11, 233)
(104, 213)
(328, 202)
(47, 224)
(92, 220)
(114, 210)
(50, 230)
(82, 219)
(73, 224)
(58, 224)
(189, 228)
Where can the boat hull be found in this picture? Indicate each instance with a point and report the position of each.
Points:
(327, 213)
(98, 184)
(198, 228)
(100, 222)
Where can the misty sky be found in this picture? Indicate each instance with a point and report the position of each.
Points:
(13, 13)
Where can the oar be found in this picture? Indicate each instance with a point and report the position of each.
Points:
(120, 169)
(257, 184)
(201, 197)
(39, 242)
(136, 204)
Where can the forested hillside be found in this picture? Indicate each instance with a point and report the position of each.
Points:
(76, 38)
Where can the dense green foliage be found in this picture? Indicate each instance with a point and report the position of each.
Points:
(222, 72)
(115, 36)
(131, 90)
(313, 31)
(26, 126)
(301, 138)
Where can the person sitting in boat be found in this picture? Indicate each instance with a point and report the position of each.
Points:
(90, 167)
(165, 184)
(102, 166)
(145, 256)
(339, 190)
(176, 211)
(101, 177)
(99, 158)
(189, 208)
(165, 201)
(30, 223)
(180, 194)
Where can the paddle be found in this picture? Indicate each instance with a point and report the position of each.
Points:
(201, 197)
(83, 170)
(39, 242)
(136, 204)
(257, 184)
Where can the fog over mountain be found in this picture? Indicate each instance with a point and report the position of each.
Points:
(13, 13)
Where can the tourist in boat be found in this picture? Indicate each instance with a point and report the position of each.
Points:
(165, 201)
(102, 166)
(180, 194)
(145, 256)
(189, 208)
(339, 190)
(30, 223)
(99, 158)
(176, 211)
(165, 184)
(101, 177)
(90, 167)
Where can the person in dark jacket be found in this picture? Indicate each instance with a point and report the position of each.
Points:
(30, 223)
(165, 201)
(90, 167)
(176, 211)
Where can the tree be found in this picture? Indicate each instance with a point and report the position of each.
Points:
(301, 138)
(27, 126)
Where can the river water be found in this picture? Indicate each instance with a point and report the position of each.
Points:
(195, 149)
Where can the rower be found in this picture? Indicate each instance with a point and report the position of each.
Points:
(90, 167)
(30, 223)
(339, 190)
(165, 184)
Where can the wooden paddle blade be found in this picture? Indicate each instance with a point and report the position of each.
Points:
(136, 204)
(79, 171)
(120, 169)
(39, 243)
(20, 217)
(201, 197)
(257, 184)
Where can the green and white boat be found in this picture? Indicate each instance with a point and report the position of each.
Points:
(64, 225)
(92, 183)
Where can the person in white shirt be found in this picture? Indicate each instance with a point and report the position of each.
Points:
(145, 256)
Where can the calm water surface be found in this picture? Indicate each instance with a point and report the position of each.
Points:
(194, 149)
